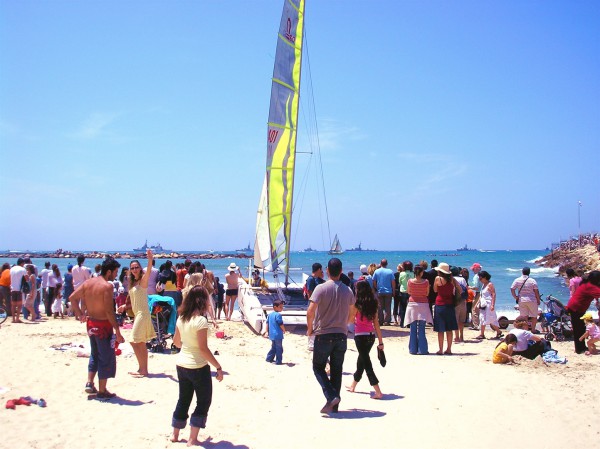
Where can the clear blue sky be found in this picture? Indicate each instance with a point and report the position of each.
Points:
(441, 123)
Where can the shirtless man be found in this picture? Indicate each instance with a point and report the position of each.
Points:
(96, 296)
(231, 293)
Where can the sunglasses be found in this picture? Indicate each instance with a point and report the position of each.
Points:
(135, 268)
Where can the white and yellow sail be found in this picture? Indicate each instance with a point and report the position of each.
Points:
(274, 218)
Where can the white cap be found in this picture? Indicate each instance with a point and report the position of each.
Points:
(363, 268)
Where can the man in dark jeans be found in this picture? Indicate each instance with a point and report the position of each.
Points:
(327, 318)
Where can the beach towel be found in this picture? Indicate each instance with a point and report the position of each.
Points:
(551, 356)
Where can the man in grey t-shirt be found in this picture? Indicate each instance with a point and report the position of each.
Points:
(327, 318)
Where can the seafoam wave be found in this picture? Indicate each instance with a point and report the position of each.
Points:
(539, 271)
(535, 260)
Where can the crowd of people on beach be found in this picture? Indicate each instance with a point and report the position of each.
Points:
(416, 296)
(590, 238)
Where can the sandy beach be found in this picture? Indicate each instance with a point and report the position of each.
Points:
(430, 401)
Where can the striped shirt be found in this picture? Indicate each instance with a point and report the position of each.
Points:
(418, 290)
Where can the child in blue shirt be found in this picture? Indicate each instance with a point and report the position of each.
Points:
(274, 332)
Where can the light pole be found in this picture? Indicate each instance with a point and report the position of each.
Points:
(579, 221)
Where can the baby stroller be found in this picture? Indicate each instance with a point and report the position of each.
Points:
(161, 310)
(555, 320)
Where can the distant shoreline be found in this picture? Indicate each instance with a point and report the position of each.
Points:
(121, 255)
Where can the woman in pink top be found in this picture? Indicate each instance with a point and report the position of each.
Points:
(417, 312)
(366, 325)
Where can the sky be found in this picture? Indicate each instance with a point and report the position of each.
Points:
(440, 123)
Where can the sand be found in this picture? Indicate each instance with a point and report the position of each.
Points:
(430, 401)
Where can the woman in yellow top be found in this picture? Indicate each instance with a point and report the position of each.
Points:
(143, 330)
(193, 371)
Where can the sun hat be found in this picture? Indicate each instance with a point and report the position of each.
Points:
(363, 268)
(475, 265)
(587, 316)
(232, 267)
(443, 267)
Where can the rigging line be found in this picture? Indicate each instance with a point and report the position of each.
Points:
(318, 143)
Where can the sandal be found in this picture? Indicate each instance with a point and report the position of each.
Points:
(90, 389)
(499, 335)
(480, 337)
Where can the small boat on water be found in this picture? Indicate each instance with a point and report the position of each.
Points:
(309, 250)
(336, 246)
(155, 248)
(465, 248)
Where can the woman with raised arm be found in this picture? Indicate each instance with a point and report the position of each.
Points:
(143, 330)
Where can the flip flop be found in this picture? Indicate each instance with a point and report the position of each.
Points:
(480, 337)
(10, 404)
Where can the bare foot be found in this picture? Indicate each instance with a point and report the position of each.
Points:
(350, 388)
(448, 352)
(439, 352)
(174, 436)
(376, 395)
(137, 374)
(193, 443)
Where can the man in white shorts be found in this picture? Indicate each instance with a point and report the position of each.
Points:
(525, 291)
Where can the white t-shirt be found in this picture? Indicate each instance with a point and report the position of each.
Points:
(44, 273)
(523, 337)
(16, 275)
(80, 275)
(526, 293)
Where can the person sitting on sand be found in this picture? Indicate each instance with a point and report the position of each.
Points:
(592, 331)
(96, 296)
(193, 372)
(143, 330)
(504, 350)
(363, 314)
(524, 337)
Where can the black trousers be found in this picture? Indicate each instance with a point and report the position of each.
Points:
(578, 331)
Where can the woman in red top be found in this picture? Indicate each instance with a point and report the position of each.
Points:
(444, 318)
(578, 305)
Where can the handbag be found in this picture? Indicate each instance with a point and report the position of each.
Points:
(457, 294)
(25, 286)
(482, 304)
(381, 356)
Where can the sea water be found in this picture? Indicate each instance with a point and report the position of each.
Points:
(504, 266)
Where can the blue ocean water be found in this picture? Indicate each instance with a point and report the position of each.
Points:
(504, 266)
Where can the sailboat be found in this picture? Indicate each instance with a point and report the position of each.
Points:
(336, 246)
(274, 216)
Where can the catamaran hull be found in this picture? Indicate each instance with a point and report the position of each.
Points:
(255, 304)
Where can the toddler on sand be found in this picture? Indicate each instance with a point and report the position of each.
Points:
(592, 331)
(57, 305)
(504, 350)
(274, 332)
